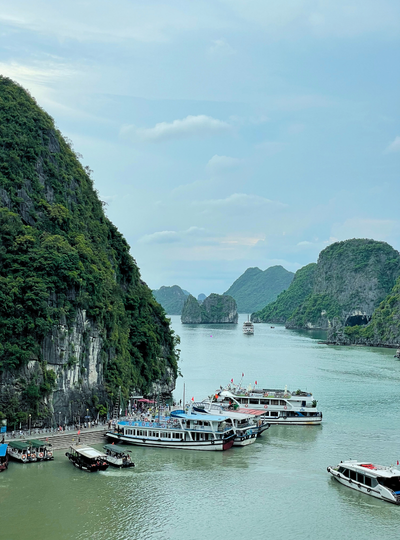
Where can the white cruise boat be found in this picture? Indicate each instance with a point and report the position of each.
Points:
(278, 406)
(376, 480)
(118, 456)
(248, 327)
(248, 426)
(181, 430)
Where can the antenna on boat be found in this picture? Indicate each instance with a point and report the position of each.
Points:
(183, 402)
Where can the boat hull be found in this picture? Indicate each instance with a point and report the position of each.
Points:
(356, 486)
(245, 441)
(79, 464)
(217, 445)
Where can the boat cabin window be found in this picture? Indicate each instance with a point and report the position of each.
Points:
(346, 473)
(254, 402)
(274, 413)
(264, 401)
(391, 483)
(360, 478)
(341, 470)
(282, 402)
(353, 475)
(367, 481)
(274, 401)
(303, 403)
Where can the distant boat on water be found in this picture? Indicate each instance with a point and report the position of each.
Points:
(248, 327)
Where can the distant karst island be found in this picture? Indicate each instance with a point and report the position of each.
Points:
(216, 308)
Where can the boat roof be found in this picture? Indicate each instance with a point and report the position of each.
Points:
(87, 451)
(19, 445)
(36, 443)
(250, 412)
(373, 470)
(212, 417)
(116, 448)
(3, 449)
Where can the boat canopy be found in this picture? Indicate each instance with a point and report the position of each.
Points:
(19, 445)
(3, 449)
(35, 443)
(87, 451)
(116, 448)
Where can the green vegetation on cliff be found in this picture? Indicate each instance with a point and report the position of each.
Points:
(288, 301)
(256, 288)
(171, 299)
(59, 253)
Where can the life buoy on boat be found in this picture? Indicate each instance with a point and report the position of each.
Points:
(23, 456)
(246, 405)
(40, 454)
(265, 406)
(285, 407)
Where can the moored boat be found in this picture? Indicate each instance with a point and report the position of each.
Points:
(3, 457)
(41, 449)
(184, 431)
(87, 458)
(21, 451)
(118, 456)
(247, 426)
(375, 480)
(278, 406)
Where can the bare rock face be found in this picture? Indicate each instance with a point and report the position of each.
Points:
(216, 308)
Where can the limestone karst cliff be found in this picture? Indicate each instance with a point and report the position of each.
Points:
(76, 320)
(171, 299)
(215, 308)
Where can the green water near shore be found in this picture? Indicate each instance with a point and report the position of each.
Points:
(276, 487)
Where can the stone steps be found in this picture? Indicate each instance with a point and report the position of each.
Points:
(65, 440)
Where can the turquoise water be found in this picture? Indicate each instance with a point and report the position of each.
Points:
(276, 487)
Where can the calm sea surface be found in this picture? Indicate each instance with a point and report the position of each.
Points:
(275, 488)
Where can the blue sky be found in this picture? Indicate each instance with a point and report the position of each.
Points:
(223, 134)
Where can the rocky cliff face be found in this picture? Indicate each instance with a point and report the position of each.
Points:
(76, 320)
(350, 280)
(215, 308)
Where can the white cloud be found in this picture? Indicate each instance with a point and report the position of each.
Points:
(393, 146)
(191, 126)
(220, 47)
(220, 163)
(242, 200)
(160, 237)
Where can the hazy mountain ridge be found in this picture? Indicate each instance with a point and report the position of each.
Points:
(256, 288)
(171, 298)
(216, 308)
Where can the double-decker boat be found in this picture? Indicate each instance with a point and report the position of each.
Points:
(22, 451)
(118, 456)
(248, 327)
(87, 458)
(247, 426)
(185, 431)
(3, 457)
(375, 480)
(278, 406)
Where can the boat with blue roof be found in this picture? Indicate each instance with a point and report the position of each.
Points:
(181, 430)
(3, 457)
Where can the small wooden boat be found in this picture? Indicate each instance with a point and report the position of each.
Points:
(43, 453)
(3, 457)
(21, 451)
(87, 458)
(117, 456)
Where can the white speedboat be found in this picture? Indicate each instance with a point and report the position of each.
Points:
(181, 430)
(118, 456)
(21, 451)
(278, 406)
(376, 480)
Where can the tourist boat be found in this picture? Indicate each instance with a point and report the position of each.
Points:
(376, 480)
(3, 457)
(278, 406)
(248, 426)
(87, 458)
(117, 456)
(248, 327)
(21, 451)
(43, 453)
(181, 430)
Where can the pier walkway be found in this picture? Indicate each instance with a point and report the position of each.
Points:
(64, 439)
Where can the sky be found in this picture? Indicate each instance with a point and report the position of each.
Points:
(222, 134)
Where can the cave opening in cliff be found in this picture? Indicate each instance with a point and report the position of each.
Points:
(357, 320)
